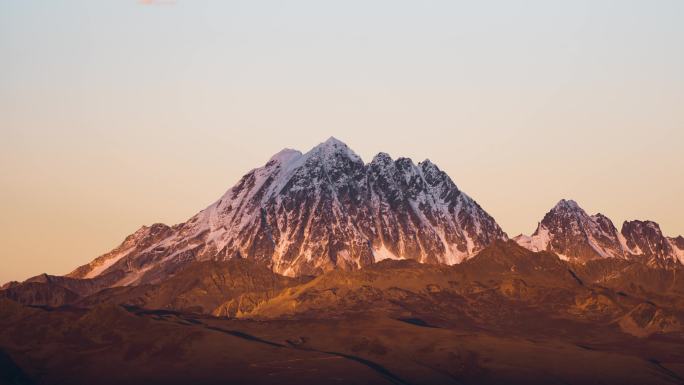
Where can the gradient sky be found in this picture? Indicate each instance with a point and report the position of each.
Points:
(115, 114)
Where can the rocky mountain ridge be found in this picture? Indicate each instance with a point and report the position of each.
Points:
(303, 214)
(574, 235)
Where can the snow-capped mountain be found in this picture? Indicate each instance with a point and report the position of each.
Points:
(645, 240)
(307, 213)
(572, 234)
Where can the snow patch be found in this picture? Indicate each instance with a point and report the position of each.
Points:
(382, 253)
(539, 241)
(98, 269)
(678, 253)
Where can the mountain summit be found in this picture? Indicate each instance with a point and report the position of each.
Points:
(572, 234)
(303, 214)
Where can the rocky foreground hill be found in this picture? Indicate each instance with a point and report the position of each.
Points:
(506, 316)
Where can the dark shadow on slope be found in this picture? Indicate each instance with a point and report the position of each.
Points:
(10, 373)
(245, 336)
(370, 364)
(417, 322)
(157, 312)
(669, 373)
(576, 277)
(381, 370)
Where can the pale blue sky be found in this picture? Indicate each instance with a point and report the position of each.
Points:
(115, 114)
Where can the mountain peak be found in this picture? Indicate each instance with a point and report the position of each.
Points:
(570, 232)
(285, 155)
(645, 223)
(567, 204)
(566, 211)
(428, 167)
(303, 214)
(382, 157)
(334, 141)
(646, 239)
(333, 146)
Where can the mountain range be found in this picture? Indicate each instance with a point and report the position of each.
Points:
(320, 268)
(569, 232)
(305, 214)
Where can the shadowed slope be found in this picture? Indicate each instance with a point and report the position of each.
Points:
(222, 288)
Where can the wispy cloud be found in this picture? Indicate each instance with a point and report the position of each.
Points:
(157, 2)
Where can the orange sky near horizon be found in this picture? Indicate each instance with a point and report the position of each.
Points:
(115, 114)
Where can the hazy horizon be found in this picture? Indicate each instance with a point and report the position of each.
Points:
(120, 114)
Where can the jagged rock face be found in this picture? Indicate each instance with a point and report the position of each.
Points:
(647, 319)
(678, 247)
(50, 290)
(136, 248)
(39, 294)
(570, 232)
(420, 214)
(677, 242)
(646, 240)
(303, 214)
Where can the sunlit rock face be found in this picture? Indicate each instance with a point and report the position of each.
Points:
(570, 232)
(303, 214)
(647, 242)
(574, 235)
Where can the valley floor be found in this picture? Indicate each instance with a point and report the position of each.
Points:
(111, 344)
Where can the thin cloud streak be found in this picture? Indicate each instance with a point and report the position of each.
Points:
(156, 2)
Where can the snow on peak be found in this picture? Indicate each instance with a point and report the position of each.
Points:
(568, 230)
(334, 142)
(427, 164)
(308, 213)
(649, 224)
(331, 147)
(382, 157)
(677, 245)
(539, 241)
(567, 204)
(285, 155)
(429, 168)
